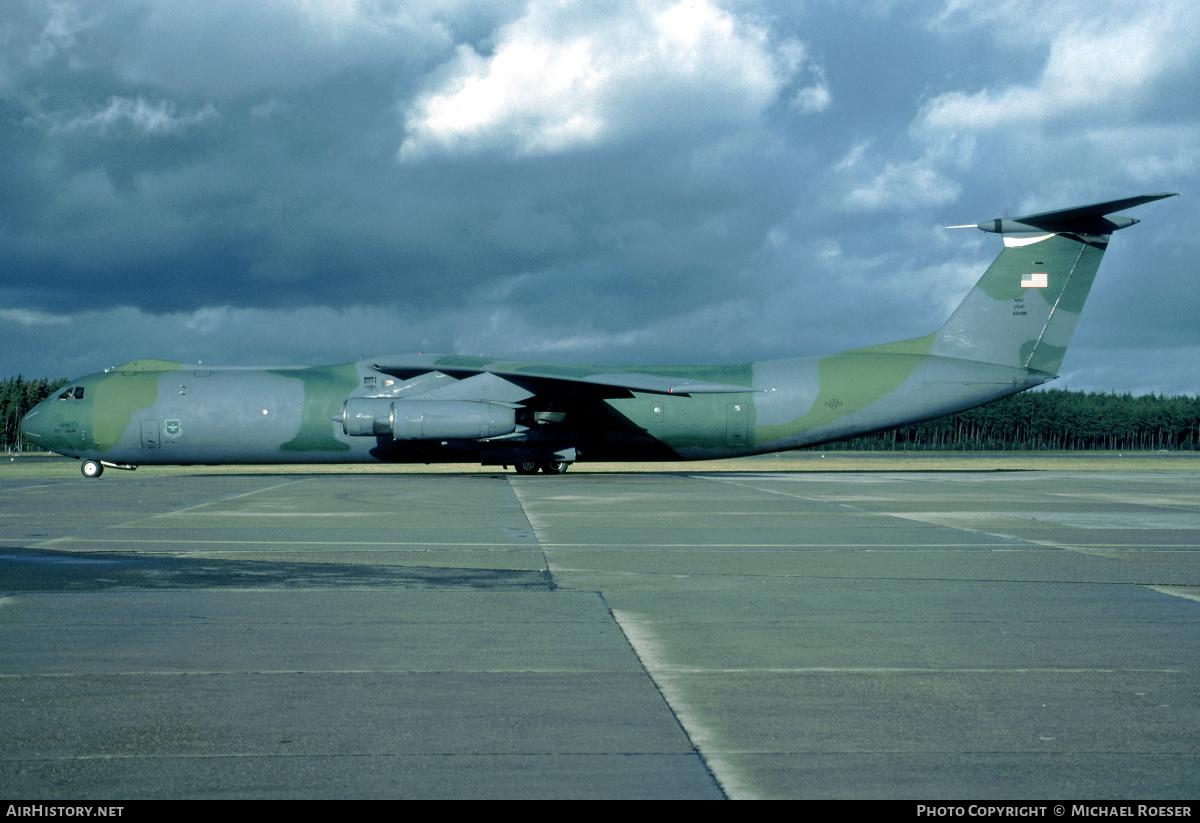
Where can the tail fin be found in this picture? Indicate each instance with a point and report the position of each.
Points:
(1023, 310)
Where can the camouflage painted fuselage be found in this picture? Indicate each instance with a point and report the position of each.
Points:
(155, 412)
(1009, 334)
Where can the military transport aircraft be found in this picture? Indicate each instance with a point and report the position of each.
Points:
(1008, 335)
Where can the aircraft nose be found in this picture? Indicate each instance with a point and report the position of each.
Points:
(32, 428)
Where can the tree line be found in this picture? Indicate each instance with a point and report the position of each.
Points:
(1053, 420)
(18, 396)
(1058, 420)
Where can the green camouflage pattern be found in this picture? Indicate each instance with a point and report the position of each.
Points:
(1008, 334)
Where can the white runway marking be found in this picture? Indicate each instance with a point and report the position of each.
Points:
(647, 648)
(1186, 592)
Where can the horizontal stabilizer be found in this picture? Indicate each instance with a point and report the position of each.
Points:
(1090, 219)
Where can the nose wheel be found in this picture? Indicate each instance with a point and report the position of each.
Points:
(92, 468)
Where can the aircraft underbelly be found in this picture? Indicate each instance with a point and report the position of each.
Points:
(931, 387)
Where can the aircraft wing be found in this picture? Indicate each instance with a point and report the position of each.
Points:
(660, 380)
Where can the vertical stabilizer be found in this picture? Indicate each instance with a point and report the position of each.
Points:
(1023, 310)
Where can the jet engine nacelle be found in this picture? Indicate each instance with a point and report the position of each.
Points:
(451, 420)
(426, 419)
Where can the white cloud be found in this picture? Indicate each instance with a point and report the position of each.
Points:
(25, 317)
(902, 185)
(224, 48)
(563, 77)
(1102, 65)
(1152, 155)
(1018, 20)
(812, 99)
(64, 23)
(207, 320)
(149, 118)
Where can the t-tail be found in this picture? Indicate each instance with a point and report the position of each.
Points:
(1023, 310)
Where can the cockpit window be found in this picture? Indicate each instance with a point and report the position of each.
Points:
(72, 394)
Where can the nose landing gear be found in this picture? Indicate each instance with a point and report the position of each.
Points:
(94, 468)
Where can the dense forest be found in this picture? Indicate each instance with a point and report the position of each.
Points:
(1066, 420)
(1033, 420)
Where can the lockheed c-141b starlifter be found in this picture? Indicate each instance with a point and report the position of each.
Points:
(1009, 334)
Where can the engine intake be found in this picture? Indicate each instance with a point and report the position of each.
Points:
(367, 416)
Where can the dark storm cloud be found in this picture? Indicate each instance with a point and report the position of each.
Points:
(590, 182)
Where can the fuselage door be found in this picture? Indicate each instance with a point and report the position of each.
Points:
(735, 424)
(150, 434)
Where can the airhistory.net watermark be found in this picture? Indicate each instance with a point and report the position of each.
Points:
(46, 810)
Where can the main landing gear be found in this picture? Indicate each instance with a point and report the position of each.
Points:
(546, 466)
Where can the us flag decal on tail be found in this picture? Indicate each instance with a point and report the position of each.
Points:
(1037, 280)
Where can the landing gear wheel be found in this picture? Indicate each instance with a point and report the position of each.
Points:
(92, 468)
(555, 467)
(527, 467)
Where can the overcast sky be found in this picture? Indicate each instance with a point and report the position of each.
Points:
(318, 181)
